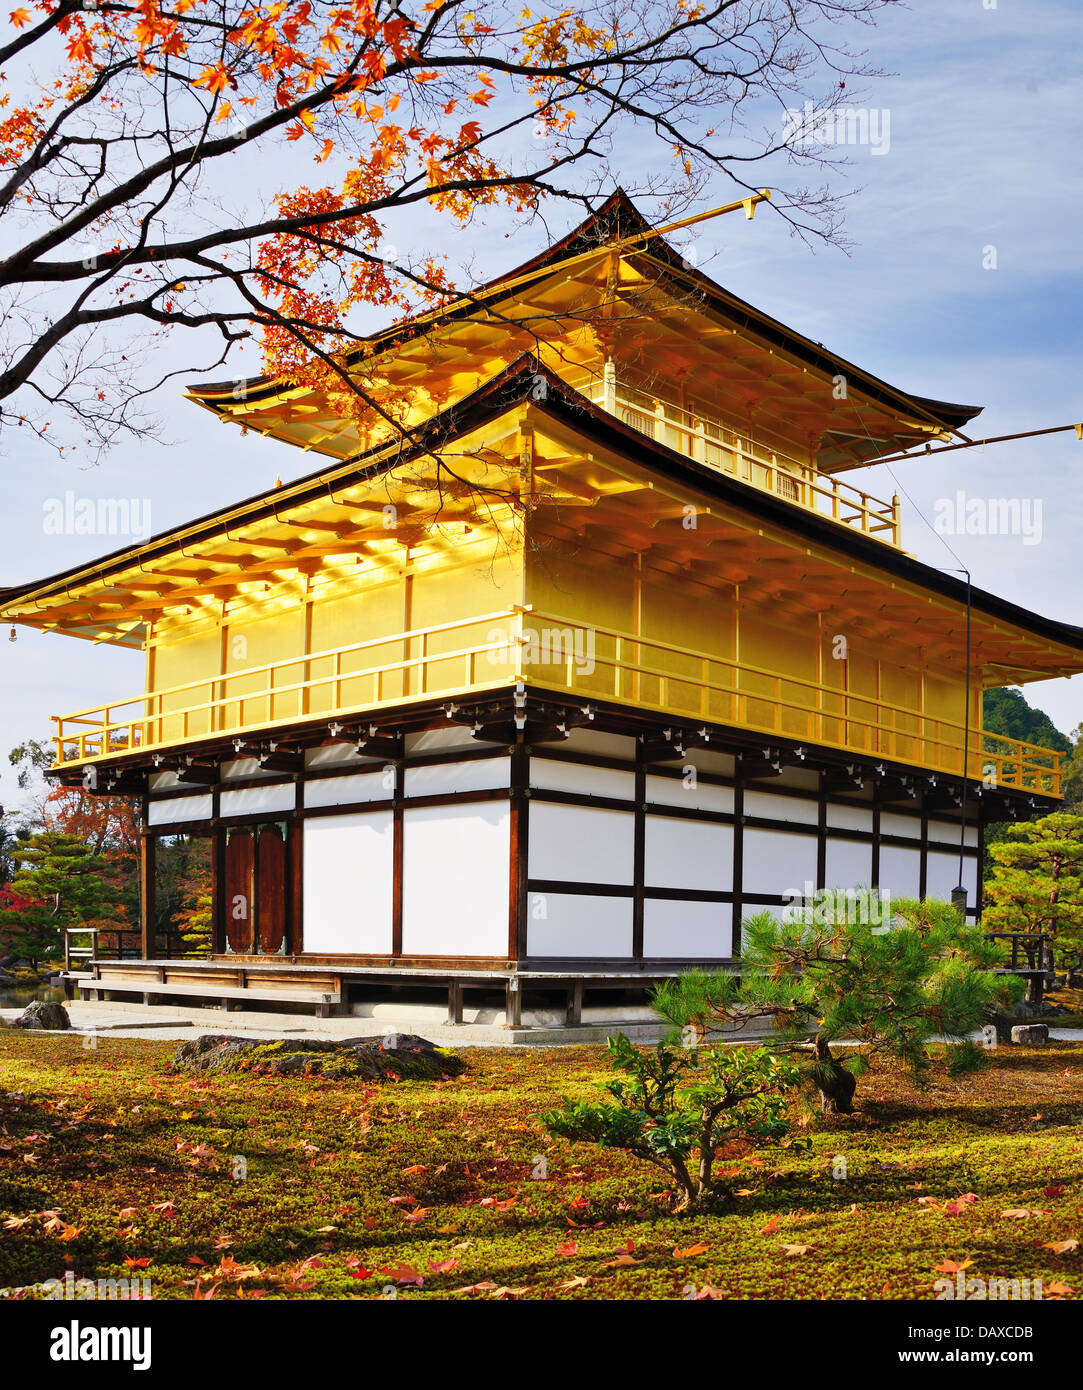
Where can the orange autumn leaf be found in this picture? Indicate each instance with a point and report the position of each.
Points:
(20, 18)
(80, 49)
(692, 1250)
(951, 1267)
(216, 79)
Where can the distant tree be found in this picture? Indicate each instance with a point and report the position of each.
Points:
(1037, 884)
(195, 917)
(829, 976)
(66, 885)
(1072, 775)
(1005, 711)
(183, 900)
(107, 825)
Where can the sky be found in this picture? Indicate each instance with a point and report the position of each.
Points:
(962, 281)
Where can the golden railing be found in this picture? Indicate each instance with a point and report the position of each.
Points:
(606, 663)
(271, 695)
(716, 444)
(557, 653)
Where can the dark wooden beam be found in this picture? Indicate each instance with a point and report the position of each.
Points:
(147, 904)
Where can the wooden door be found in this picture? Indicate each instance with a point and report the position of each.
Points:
(239, 878)
(271, 888)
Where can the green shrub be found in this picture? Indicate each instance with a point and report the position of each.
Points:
(677, 1106)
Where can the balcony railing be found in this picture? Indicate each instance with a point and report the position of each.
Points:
(717, 445)
(445, 659)
(590, 662)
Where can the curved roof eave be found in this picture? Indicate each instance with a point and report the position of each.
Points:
(516, 385)
(618, 216)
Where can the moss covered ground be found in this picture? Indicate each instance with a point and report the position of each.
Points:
(113, 1165)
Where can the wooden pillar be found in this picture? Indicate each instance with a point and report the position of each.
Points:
(295, 924)
(455, 1001)
(574, 1013)
(513, 1007)
(218, 918)
(147, 913)
(639, 855)
(519, 829)
(397, 854)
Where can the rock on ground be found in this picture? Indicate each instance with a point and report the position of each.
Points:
(44, 1014)
(1030, 1033)
(369, 1059)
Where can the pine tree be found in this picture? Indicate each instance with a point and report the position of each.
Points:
(1037, 884)
(834, 973)
(67, 885)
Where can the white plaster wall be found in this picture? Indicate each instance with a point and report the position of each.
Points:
(443, 779)
(900, 871)
(587, 781)
(581, 844)
(252, 801)
(787, 808)
(687, 931)
(456, 880)
(573, 924)
(360, 786)
(180, 808)
(849, 864)
(683, 853)
(849, 817)
(948, 832)
(348, 883)
(893, 824)
(777, 861)
(672, 791)
(942, 875)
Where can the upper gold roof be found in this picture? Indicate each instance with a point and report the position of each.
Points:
(591, 296)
